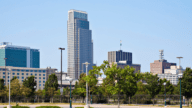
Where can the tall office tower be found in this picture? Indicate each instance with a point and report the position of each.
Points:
(18, 56)
(80, 44)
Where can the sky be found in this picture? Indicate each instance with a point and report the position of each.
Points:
(144, 26)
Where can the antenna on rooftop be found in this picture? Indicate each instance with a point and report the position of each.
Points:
(161, 55)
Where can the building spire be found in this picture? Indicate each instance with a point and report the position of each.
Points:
(120, 44)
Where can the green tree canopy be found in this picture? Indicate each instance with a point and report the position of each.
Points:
(169, 87)
(153, 84)
(51, 82)
(2, 84)
(13, 78)
(30, 83)
(186, 83)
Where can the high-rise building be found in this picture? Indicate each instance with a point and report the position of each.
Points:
(159, 65)
(122, 59)
(19, 56)
(80, 43)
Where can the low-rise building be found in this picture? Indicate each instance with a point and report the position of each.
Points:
(40, 74)
(172, 74)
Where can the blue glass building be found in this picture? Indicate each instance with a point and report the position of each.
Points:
(18, 56)
(80, 44)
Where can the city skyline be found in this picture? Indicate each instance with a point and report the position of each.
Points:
(143, 29)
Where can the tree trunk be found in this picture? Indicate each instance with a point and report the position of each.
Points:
(153, 101)
(38, 99)
(50, 99)
(129, 100)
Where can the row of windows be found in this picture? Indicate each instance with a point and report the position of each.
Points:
(1, 69)
(39, 84)
(23, 77)
(22, 81)
(23, 74)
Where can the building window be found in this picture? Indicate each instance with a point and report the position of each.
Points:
(3, 73)
(40, 71)
(22, 77)
(43, 84)
(35, 70)
(22, 73)
(39, 74)
(39, 77)
(31, 74)
(35, 74)
(27, 70)
(39, 81)
(35, 77)
(43, 71)
(26, 73)
(13, 76)
(18, 77)
(3, 76)
(43, 77)
(39, 84)
(22, 80)
(17, 73)
(13, 73)
(22, 70)
(18, 69)
(31, 70)
(8, 77)
(7, 80)
(43, 74)
(43, 81)
(13, 70)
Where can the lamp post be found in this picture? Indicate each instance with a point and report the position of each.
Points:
(70, 80)
(180, 77)
(34, 88)
(61, 67)
(165, 92)
(86, 106)
(9, 106)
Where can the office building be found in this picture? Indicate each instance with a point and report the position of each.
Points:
(172, 74)
(159, 65)
(122, 59)
(19, 56)
(41, 74)
(80, 43)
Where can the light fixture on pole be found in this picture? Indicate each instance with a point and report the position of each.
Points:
(87, 105)
(70, 80)
(165, 92)
(9, 106)
(180, 75)
(61, 68)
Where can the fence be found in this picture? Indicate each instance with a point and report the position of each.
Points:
(136, 99)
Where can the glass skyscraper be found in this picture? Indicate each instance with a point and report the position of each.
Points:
(80, 44)
(18, 56)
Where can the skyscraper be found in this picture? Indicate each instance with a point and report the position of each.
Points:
(80, 44)
(18, 56)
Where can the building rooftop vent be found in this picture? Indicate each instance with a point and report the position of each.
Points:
(6, 43)
(161, 55)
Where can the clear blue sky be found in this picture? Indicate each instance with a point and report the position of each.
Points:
(144, 26)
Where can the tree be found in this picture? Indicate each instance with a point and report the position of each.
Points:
(39, 93)
(2, 87)
(66, 91)
(169, 87)
(153, 85)
(51, 82)
(13, 78)
(122, 80)
(186, 84)
(51, 92)
(30, 83)
(141, 88)
(25, 91)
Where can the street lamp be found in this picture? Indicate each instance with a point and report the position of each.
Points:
(180, 77)
(165, 92)
(61, 67)
(86, 106)
(70, 80)
(9, 106)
